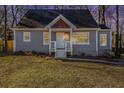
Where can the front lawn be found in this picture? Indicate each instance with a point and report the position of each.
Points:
(32, 71)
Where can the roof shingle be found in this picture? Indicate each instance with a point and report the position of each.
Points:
(78, 17)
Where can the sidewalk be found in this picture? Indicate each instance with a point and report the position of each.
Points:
(118, 62)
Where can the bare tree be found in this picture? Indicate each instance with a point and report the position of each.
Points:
(101, 10)
(1, 14)
(117, 54)
(5, 29)
(15, 11)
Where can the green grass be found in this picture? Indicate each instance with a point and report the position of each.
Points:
(32, 71)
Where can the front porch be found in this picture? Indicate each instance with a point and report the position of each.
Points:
(60, 42)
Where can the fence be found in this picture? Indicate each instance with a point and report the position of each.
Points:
(9, 45)
(1, 45)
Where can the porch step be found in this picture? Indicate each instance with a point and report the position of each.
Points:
(60, 54)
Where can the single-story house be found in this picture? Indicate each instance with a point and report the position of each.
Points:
(61, 32)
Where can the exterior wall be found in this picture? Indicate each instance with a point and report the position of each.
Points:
(36, 43)
(103, 49)
(87, 49)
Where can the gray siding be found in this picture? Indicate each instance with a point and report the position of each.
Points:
(87, 49)
(103, 49)
(36, 43)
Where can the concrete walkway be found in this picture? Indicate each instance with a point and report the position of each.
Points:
(118, 62)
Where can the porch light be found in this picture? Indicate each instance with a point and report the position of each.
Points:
(66, 36)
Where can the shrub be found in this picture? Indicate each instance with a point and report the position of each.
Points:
(19, 53)
(108, 54)
(82, 54)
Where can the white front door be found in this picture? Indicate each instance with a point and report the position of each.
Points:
(60, 45)
(60, 42)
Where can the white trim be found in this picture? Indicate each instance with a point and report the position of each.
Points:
(105, 30)
(71, 41)
(96, 29)
(97, 42)
(54, 42)
(50, 41)
(106, 39)
(25, 29)
(60, 29)
(111, 40)
(58, 18)
(46, 29)
(87, 29)
(14, 42)
(44, 43)
(80, 43)
(88, 43)
(29, 37)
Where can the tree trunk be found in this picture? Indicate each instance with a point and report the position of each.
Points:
(101, 10)
(14, 15)
(5, 29)
(103, 14)
(117, 54)
(99, 15)
(120, 49)
(12, 9)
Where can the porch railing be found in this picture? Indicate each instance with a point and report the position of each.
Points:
(68, 46)
(53, 46)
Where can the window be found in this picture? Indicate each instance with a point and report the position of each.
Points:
(45, 38)
(85, 37)
(80, 37)
(26, 36)
(103, 39)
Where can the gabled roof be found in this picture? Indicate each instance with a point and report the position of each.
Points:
(61, 17)
(42, 17)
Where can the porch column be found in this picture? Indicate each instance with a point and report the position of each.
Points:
(71, 41)
(14, 42)
(110, 40)
(49, 41)
(97, 42)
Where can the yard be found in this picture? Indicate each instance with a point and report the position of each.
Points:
(36, 71)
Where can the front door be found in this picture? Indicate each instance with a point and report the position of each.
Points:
(60, 42)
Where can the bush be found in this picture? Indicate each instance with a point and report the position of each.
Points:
(108, 54)
(82, 54)
(31, 53)
(19, 53)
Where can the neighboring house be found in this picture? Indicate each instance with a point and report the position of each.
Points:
(61, 32)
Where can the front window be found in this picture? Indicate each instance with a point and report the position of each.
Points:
(45, 38)
(103, 39)
(26, 36)
(80, 37)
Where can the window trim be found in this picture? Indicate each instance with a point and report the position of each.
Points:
(106, 40)
(29, 37)
(44, 43)
(82, 42)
